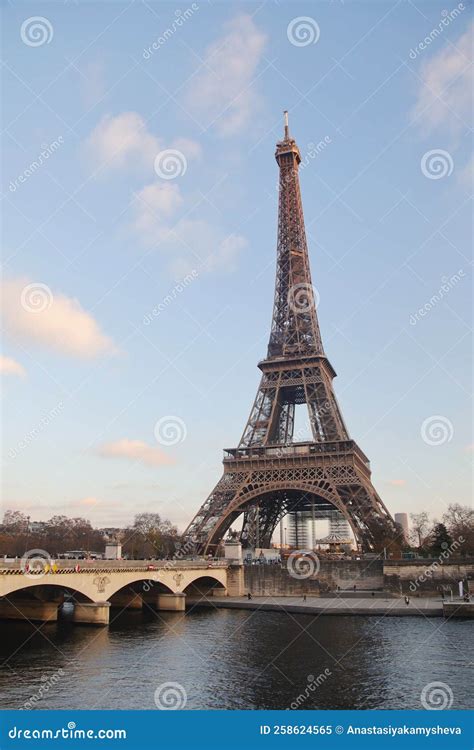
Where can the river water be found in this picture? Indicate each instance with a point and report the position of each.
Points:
(231, 659)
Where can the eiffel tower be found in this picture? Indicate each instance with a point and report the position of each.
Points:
(270, 473)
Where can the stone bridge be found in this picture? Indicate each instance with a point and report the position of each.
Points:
(37, 592)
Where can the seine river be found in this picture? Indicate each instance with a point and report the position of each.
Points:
(231, 659)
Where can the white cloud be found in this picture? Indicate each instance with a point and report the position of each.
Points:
(124, 141)
(158, 201)
(226, 254)
(120, 141)
(190, 149)
(224, 91)
(9, 366)
(445, 96)
(89, 501)
(188, 243)
(136, 450)
(33, 313)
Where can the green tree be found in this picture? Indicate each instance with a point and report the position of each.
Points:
(440, 540)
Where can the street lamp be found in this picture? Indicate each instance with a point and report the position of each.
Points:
(27, 533)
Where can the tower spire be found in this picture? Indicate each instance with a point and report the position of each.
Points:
(287, 128)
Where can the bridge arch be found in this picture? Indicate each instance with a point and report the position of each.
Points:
(141, 584)
(44, 590)
(203, 588)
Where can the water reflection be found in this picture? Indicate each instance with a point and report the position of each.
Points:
(232, 659)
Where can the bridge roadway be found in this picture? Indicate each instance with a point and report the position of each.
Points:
(36, 591)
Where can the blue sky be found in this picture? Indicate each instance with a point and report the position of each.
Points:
(107, 226)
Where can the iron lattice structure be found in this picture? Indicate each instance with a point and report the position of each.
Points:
(271, 473)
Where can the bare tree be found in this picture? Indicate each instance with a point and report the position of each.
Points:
(420, 524)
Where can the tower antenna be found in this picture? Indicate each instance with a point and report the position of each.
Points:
(287, 129)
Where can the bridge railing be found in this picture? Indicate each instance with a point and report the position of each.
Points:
(112, 566)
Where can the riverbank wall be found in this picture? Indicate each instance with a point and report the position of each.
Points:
(426, 577)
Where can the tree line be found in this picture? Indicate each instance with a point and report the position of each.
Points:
(148, 537)
(455, 530)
